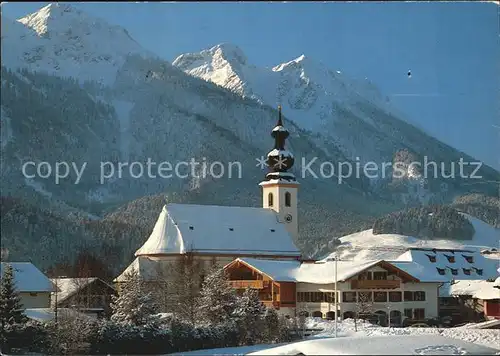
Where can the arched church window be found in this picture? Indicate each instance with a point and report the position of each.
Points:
(270, 199)
(288, 199)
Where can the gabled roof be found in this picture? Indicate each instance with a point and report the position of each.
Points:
(317, 273)
(479, 289)
(28, 278)
(279, 271)
(69, 286)
(213, 229)
(466, 264)
(422, 272)
(324, 272)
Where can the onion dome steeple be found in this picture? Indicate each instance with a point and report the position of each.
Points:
(280, 160)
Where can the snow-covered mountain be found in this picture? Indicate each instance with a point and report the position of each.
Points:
(77, 89)
(64, 41)
(326, 102)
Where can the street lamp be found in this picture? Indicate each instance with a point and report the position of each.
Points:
(389, 316)
(336, 297)
(335, 288)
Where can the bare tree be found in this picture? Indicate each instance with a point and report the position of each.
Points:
(300, 320)
(185, 287)
(83, 296)
(364, 307)
(163, 285)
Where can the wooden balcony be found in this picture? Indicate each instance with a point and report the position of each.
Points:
(243, 284)
(375, 284)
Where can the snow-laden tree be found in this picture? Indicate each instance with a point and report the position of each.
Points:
(364, 308)
(11, 308)
(134, 305)
(217, 300)
(184, 287)
(273, 325)
(250, 315)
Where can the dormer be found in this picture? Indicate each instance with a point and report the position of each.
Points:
(451, 259)
(431, 258)
(441, 271)
(469, 259)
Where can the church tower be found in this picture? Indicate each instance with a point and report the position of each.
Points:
(279, 188)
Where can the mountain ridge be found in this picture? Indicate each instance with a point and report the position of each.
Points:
(145, 107)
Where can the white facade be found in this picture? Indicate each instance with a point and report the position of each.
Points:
(429, 305)
(281, 196)
(33, 286)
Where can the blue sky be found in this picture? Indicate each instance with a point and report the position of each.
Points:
(452, 50)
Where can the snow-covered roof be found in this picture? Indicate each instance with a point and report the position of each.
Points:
(281, 271)
(182, 228)
(47, 314)
(479, 289)
(454, 264)
(69, 286)
(317, 273)
(146, 267)
(28, 278)
(324, 273)
(366, 245)
(422, 272)
(496, 284)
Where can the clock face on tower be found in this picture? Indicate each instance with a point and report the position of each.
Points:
(288, 218)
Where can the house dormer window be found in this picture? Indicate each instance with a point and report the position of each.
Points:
(467, 271)
(270, 199)
(451, 259)
(479, 271)
(454, 271)
(441, 271)
(469, 259)
(288, 199)
(431, 258)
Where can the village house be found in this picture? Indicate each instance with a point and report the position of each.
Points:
(87, 295)
(460, 268)
(33, 286)
(367, 288)
(473, 300)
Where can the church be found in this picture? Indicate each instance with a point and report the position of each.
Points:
(256, 248)
(220, 234)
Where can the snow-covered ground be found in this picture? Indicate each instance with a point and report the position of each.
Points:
(490, 338)
(381, 345)
(424, 341)
(242, 350)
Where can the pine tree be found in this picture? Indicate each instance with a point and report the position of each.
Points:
(273, 325)
(11, 308)
(250, 315)
(134, 305)
(217, 300)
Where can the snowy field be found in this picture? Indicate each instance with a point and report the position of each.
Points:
(489, 338)
(381, 345)
(423, 341)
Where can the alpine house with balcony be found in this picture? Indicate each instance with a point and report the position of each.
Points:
(389, 290)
